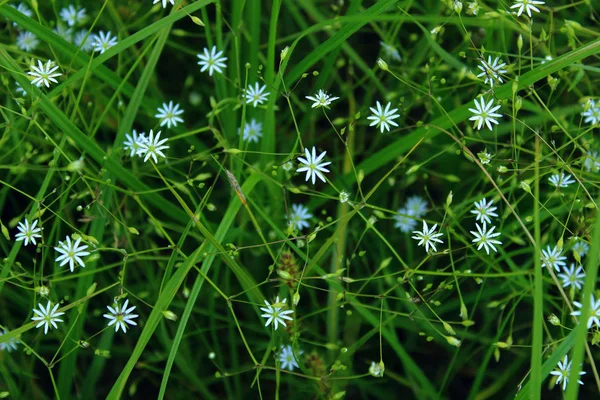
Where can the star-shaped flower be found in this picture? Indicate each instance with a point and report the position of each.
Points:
(104, 41)
(552, 258)
(46, 317)
(591, 113)
(275, 313)
(492, 70)
(120, 316)
(252, 131)
(405, 220)
(594, 312)
(299, 217)
(561, 180)
(485, 238)
(10, 344)
(153, 147)
(321, 99)
(44, 74)
(72, 16)
(287, 358)
(164, 2)
(84, 40)
(134, 142)
(484, 114)
(563, 371)
(213, 60)
(71, 253)
(256, 95)
(169, 114)
(28, 233)
(484, 210)
(383, 118)
(27, 41)
(313, 165)
(427, 237)
(570, 276)
(526, 5)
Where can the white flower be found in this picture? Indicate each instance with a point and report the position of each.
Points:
(72, 16)
(484, 210)
(592, 161)
(427, 237)
(405, 220)
(252, 131)
(134, 142)
(169, 114)
(383, 118)
(572, 276)
(27, 41)
(473, 8)
(416, 206)
(492, 70)
(321, 99)
(485, 157)
(287, 358)
(71, 253)
(376, 369)
(390, 51)
(527, 6)
(581, 247)
(344, 196)
(103, 41)
(591, 113)
(274, 313)
(120, 316)
(313, 165)
(484, 114)
(64, 32)
(594, 312)
(552, 258)
(153, 147)
(561, 180)
(84, 40)
(28, 233)
(164, 2)
(563, 371)
(255, 94)
(213, 61)
(485, 238)
(22, 8)
(44, 74)
(47, 317)
(299, 217)
(9, 345)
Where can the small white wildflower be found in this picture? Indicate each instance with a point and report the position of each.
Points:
(274, 313)
(64, 32)
(484, 210)
(27, 41)
(164, 2)
(581, 247)
(84, 40)
(169, 114)
(299, 217)
(120, 316)
(28, 232)
(563, 371)
(44, 74)
(390, 51)
(383, 118)
(71, 253)
(591, 113)
(492, 70)
(103, 41)
(594, 312)
(570, 276)
(427, 237)
(321, 99)
(473, 8)
(552, 258)
(23, 9)
(10, 344)
(561, 180)
(153, 147)
(46, 317)
(416, 206)
(485, 238)
(344, 196)
(73, 16)
(252, 131)
(134, 142)
(405, 220)
(256, 95)
(526, 5)
(313, 165)
(591, 162)
(485, 157)
(287, 358)
(484, 114)
(213, 60)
